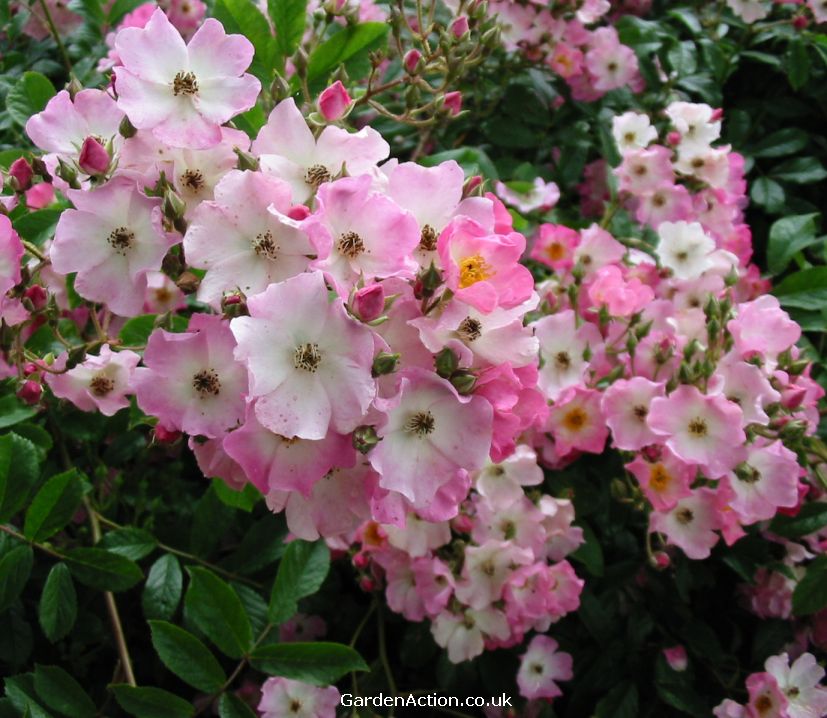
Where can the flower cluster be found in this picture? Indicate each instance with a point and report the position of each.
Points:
(490, 575)
(782, 690)
(569, 41)
(673, 351)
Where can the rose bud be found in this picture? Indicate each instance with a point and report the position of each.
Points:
(412, 61)
(369, 302)
(453, 102)
(334, 102)
(94, 159)
(40, 195)
(30, 392)
(21, 174)
(459, 27)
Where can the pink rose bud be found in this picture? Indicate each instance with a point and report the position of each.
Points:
(412, 61)
(165, 436)
(369, 302)
(30, 368)
(471, 184)
(792, 397)
(462, 523)
(30, 392)
(40, 195)
(334, 102)
(21, 174)
(459, 27)
(662, 560)
(717, 114)
(453, 102)
(37, 295)
(94, 159)
(298, 212)
(361, 560)
(367, 584)
(800, 22)
(673, 138)
(676, 658)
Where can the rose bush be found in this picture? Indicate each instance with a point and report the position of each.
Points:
(413, 348)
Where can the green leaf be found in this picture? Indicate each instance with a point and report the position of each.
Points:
(801, 170)
(788, 236)
(245, 499)
(100, 569)
(781, 143)
(13, 411)
(289, 18)
(60, 692)
(798, 64)
(344, 46)
(53, 506)
(318, 663)
(162, 591)
(262, 545)
(187, 657)
(28, 96)
(675, 689)
(621, 702)
(58, 603)
(301, 572)
(37, 226)
(16, 640)
(810, 518)
(19, 471)
(20, 691)
(211, 519)
(244, 17)
(590, 553)
(130, 541)
(144, 702)
(231, 706)
(15, 568)
(767, 193)
(806, 289)
(215, 608)
(810, 595)
(136, 331)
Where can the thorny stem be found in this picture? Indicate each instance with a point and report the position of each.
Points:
(11, 532)
(111, 606)
(190, 557)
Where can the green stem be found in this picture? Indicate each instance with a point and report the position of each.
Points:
(56, 35)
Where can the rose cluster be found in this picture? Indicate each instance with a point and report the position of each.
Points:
(673, 351)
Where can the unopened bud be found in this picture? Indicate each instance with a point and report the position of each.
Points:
(30, 392)
(464, 382)
(93, 159)
(365, 438)
(188, 283)
(446, 363)
(369, 302)
(20, 174)
(126, 128)
(385, 363)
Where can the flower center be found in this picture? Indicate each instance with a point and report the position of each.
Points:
(659, 478)
(658, 200)
(427, 238)
(470, 329)
(697, 427)
(206, 383)
(575, 419)
(763, 704)
(265, 245)
(537, 668)
(307, 357)
(473, 269)
(184, 83)
(640, 413)
(351, 245)
(684, 516)
(295, 705)
(629, 137)
(193, 180)
(555, 251)
(422, 423)
(101, 385)
(562, 360)
(317, 175)
(121, 239)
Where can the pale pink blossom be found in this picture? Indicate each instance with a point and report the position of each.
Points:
(541, 666)
(285, 697)
(11, 252)
(577, 422)
(625, 405)
(690, 524)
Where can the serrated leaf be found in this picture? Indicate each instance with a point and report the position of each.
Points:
(767, 193)
(20, 691)
(210, 520)
(244, 17)
(19, 471)
(788, 236)
(136, 331)
(784, 142)
(806, 289)
(148, 702)
(53, 506)
(60, 692)
(810, 595)
(58, 603)
(100, 569)
(810, 518)
(217, 610)
(231, 706)
(187, 657)
(301, 572)
(162, 591)
(319, 663)
(590, 553)
(801, 170)
(129, 541)
(13, 411)
(344, 46)
(37, 226)
(28, 96)
(15, 569)
(621, 702)
(289, 18)
(245, 499)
